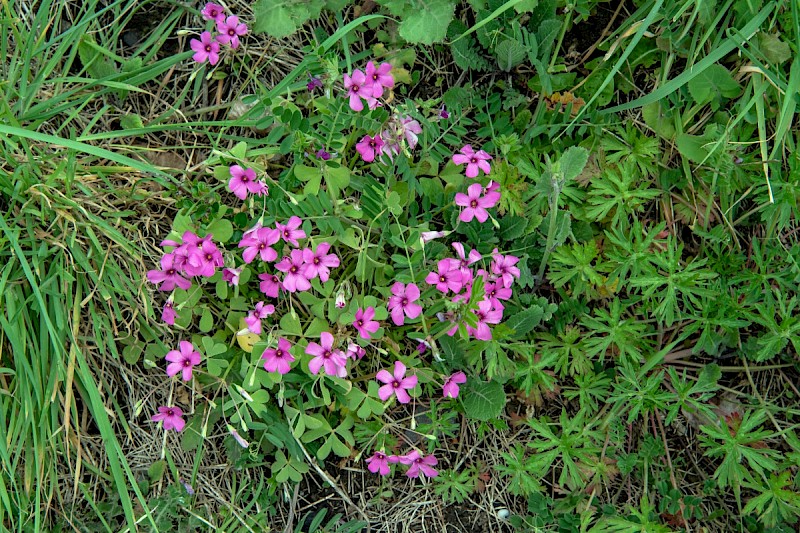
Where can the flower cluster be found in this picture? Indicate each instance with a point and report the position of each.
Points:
(417, 463)
(456, 275)
(229, 29)
(368, 86)
(180, 362)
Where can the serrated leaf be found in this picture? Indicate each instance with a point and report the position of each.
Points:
(273, 18)
(509, 54)
(524, 321)
(428, 24)
(483, 400)
(572, 162)
(775, 50)
(512, 227)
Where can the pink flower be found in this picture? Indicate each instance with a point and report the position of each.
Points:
(493, 186)
(379, 77)
(463, 262)
(401, 303)
(474, 160)
(320, 262)
(364, 323)
(172, 417)
(230, 30)
(333, 361)
(495, 291)
(169, 314)
(243, 181)
(231, 275)
(254, 318)
(204, 261)
(278, 359)
(289, 232)
(503, 266)
(450, 387)
(295, 268)
(411, 129)
(419, 464)
(355, 352)
(476, 204)
(357, 88)
(182, 361)
(341, 301)
(205, 49)
(369, 147)
(168, 277)
(396, 384)
(378, 463)
(259, 244)
(445, 279)
(270, 284)
(426, 236)
(214, 12)
(486, 315)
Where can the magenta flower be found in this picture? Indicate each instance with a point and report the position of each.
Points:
(503, 267)
(427, 236)
(313, 83)
(254, 318)
(445, 279)
(378, 463)
(169, 276)
(369, 147)
(396, 384)
(476, 204)
(295, 269)
(172, 417)
(411, 129)
(493, 186)
(333, 361)
(231, 275)
(206, 49)
(495, 291)
(463, 262)
(214, 12)
(355, 352)
(474, 160)
(357, 88)
(183, 360)
(486, 314)
(379, 77)
(443, 113)
(401, 303)
(364, 323)
(322, 154)
(204, 261)
(289, 232)
(259, 244)
(230, 30)
(418, 464)
(320, 262)
(270, 284)
(243, 181)
(169, 314)
(450, 387)
(341, 301)
(278, 359)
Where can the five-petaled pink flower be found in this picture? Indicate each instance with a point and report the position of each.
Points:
(364, 323)
(295, 269)
(464, 261)
(183, 360)
(206, 49)
(231, 275)
(214, 12)
(476, 203)
(358, 88)
(230, 30)
(334, 361)
(320, 262)
(401, 303)
(289, 231)
(243, 181)
(369, 147)
(278, 359)
(503, 267)
(487, 314)
(418, 464)
(379, 77)
(474, 160)
(379, 463)
(396, 384)
(270, 284)
(450, 387)
(445, 279)
(169, 276)
(260, 243)
(253, 319)
(205, 260)
(172, 417)
(169, 314)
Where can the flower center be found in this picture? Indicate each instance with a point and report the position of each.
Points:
(171, 271)
(231, 32)
(360, 322)
(356, 88)
(279, 353)
(404, 302)
(442, 279)
(293, 270)
(209, 257)
(170, 412)
(395, 384)
(473, 160)
(186, 362)
(262, 246)
(245, 179)
(473, 204)
(316, 260)
(286, 233)
(326, 354)
(208, 48)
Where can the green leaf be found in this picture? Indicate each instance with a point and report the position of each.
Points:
(312, 176)
(712, 85)
(132, 353)
(524, 322)
(572, 162)
(273, 18)
(775, 50)
(482, 400)
(428, 24)
(513, 227)
(131, 122)
(336, 179)
(206, 321)
(221, 230)
(290, 323)
(659, 118)
(97, 64)
(510, 53)
(156, 471)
